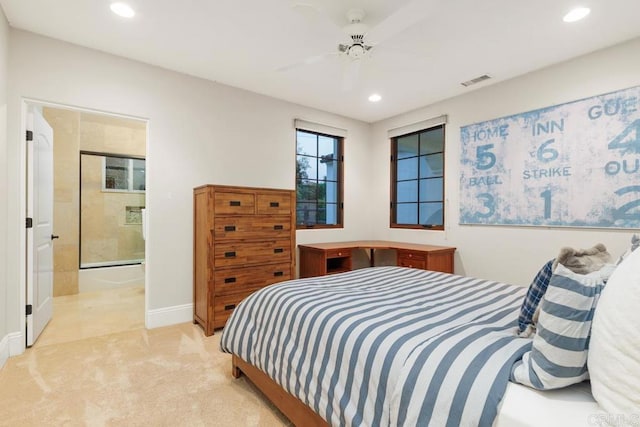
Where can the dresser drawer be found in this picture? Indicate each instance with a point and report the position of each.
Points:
(252, 227)
(235, 280)
(234, 203)
(247, 253)
(273, 204)
(223, 307)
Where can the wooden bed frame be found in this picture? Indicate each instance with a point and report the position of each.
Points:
(292, 407)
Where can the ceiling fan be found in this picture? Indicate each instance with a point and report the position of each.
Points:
(360, 40)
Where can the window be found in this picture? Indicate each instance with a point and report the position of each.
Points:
(123, 174)
(318, 180)
(417, 177)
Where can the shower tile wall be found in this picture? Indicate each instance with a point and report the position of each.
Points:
(74, 131)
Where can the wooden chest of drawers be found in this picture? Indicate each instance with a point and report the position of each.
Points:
(244, 239)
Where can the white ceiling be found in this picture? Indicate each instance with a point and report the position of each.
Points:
(428, 46)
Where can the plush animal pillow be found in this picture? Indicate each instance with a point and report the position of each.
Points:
(583, 261)
(579, 261)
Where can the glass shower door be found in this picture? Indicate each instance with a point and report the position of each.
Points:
(112, 196)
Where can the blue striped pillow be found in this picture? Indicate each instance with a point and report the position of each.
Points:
(558, 357)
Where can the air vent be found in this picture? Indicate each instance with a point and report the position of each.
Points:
(476, 80)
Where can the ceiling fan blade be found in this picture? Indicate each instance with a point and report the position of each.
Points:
(351, 74)
(316, 15)
(405, 17)
(307, 61)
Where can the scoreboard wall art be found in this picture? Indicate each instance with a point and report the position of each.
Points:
(570, 165)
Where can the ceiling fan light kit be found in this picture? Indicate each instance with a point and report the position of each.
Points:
(356, 31)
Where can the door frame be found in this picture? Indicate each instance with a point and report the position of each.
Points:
(25, 102)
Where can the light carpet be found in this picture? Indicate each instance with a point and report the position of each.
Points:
(173, 376)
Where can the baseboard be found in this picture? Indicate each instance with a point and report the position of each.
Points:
(169, 316)
(11, 345)
(17, 343)
(4, 350)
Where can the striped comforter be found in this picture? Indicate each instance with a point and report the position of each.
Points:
(385, 345)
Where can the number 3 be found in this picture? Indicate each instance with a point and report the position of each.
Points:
(489, 203)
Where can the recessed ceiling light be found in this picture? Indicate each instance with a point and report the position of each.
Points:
(576, 14)
(122, 9)
(375, 97)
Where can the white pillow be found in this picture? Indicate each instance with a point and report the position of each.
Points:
(614, 350)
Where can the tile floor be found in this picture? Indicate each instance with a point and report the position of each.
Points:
(93, 314)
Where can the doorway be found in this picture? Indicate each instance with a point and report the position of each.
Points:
(98, 276)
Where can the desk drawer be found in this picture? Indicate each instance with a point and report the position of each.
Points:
(412, 259)
(412, 263)
(248, 253)
(338, 253)
(234, 280)
(412, 255)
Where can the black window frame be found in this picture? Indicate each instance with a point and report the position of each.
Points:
(339, 182)
(393, 223)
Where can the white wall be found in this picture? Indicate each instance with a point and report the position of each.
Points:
(4, 51)
(510, 254)
(203, 132)
(199, 132)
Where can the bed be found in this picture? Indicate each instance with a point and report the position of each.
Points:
(387, 346)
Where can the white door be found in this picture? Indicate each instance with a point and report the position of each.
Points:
(39, 237)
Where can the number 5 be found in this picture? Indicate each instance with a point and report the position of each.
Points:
(486, 159)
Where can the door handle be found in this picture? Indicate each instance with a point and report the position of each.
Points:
(53, 236)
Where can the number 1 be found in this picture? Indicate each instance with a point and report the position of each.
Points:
(547, 203)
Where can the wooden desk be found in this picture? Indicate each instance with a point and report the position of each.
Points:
(320, 259)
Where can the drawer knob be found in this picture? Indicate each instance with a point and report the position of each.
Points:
(229, 307)
(229, 228)
(230, 280)
(234, 203)
(278, 227)
(278, 273)
(278, 250)
(410, 255)
(339, 253)
(274, 204)
(230, 254)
